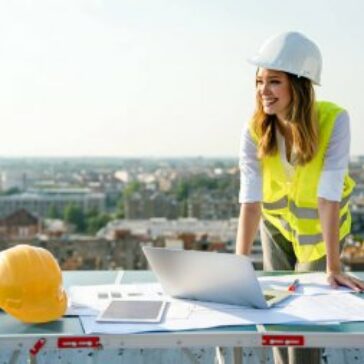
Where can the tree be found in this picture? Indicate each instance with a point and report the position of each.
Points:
(10, 191)
(95, 223)
(120, 210)
(53, 212)
(182, 190)
(132, 187)
(73, 214)
(91, 213)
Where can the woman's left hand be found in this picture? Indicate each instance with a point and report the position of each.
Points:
(337, 279)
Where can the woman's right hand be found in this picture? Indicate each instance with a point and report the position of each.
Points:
(336, 279)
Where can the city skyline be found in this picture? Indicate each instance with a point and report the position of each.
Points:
(156, 79)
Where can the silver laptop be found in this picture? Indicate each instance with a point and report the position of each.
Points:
(209, 276)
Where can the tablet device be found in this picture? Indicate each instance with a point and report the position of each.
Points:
(133, 311)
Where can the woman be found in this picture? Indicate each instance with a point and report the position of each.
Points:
(294, 159)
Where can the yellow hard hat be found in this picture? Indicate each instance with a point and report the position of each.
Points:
(31, 287)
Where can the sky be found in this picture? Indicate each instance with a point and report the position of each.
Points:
(157, 78)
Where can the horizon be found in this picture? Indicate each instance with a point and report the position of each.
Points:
(120, 157)
(82, 157)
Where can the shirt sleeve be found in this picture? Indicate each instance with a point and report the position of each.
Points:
(250, 170)
(336, 160)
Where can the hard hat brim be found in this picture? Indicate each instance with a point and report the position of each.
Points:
(51, 311)
(259, 61)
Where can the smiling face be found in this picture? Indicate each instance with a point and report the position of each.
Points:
(274, 92)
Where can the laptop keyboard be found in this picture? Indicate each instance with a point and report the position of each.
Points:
(268, 297)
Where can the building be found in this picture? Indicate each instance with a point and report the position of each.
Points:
(13, 179)
(219, 230)
(213, 205)
(147, 204)
(20, 224)
(40, 202)
(55, 228)
(90, 253)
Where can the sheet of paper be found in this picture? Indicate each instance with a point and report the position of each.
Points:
(309, 284)
(89, 300)
(178, 310)
(314, 309)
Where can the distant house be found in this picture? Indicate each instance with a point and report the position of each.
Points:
(55, 228)
(19, 224)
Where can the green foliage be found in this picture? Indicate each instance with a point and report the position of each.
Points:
(96, 222)
(182, 190)
(90, 222)
(184, 209)
(91, 213)
(53, 213)
(74, 215)
(185, 187)
(132, 187)
(120, 215)
(120, 209)
(10, 191)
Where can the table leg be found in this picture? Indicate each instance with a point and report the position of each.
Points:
(32, 359)
(190, 356)
(219, 356)
(14, 357)
(237, 355)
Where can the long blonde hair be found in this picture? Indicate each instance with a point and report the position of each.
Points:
(301, 116)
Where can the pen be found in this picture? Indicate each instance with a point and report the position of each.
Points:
(293, 286)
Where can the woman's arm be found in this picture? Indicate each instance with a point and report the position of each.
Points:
(247, 226)
(329, 218)
(329, 196)
(329, 212)
(250, 194)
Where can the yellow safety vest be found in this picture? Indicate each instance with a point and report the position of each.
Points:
(291, 203)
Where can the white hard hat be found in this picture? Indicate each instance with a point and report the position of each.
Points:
(290, 52)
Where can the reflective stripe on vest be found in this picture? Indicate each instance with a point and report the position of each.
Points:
(308, 239)
(299, 212)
